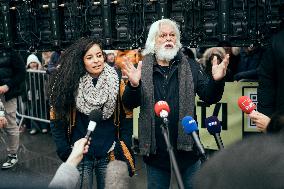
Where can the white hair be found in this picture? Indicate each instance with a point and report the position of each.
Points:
(155, 30)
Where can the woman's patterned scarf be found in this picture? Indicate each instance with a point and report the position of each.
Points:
(101, 96)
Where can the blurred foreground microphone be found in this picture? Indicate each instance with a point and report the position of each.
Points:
(190, 128)
(117, 175)
(214, 128)
(95, 117)
(246, 104)
(162, 110)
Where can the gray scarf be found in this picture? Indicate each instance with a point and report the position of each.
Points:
(147, 139)
(102, 96)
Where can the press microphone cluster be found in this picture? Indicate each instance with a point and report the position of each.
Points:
(190, 128)
(213, 126)
(246, 104)
(95, 117)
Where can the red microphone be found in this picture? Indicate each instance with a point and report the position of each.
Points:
(246, 104)
(162, 109)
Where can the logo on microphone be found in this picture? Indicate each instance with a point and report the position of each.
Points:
(162, 103)
(212, 123)
(162, 109)
(246, 104)
(191, 121)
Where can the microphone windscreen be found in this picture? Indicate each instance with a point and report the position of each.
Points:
(117, 175)
(189, 125)
(213, 125)
(161, 105)
(96, 115)
(246, 104)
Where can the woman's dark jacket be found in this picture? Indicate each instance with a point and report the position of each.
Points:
(66, 131)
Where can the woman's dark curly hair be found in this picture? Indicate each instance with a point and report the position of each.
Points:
(65, 81)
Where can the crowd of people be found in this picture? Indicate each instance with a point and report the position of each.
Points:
(83, 78)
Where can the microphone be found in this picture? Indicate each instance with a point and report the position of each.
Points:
(117, 175)
(162, 110)
(190, 128)
(95, 117)
(246, 104)
(213, 126)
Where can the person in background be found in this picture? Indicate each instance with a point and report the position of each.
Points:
(12, 78)
(207, 61)
(250, 58)
(270, 72)
(270, 88)
(35, 94)
(53, 62)
(45, 58)
(188, 53)
(110, 59)
(165, 74)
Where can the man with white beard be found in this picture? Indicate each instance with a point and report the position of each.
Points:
(165, 74)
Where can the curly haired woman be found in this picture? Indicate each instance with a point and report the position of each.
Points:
(84, 82)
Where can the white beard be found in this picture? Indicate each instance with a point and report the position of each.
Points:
(163, 53)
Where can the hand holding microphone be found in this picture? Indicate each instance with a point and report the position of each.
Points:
(261, 121)
(213, 126)
(80, 147)
(95, 117)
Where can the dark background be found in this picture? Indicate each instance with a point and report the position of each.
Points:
(123, 24)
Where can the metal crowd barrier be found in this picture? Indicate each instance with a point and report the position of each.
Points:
(33, 104)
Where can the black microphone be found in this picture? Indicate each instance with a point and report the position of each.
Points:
(190, 127)
(95, 117)
(214, 128)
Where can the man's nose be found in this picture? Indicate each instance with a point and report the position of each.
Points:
(168, 38)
